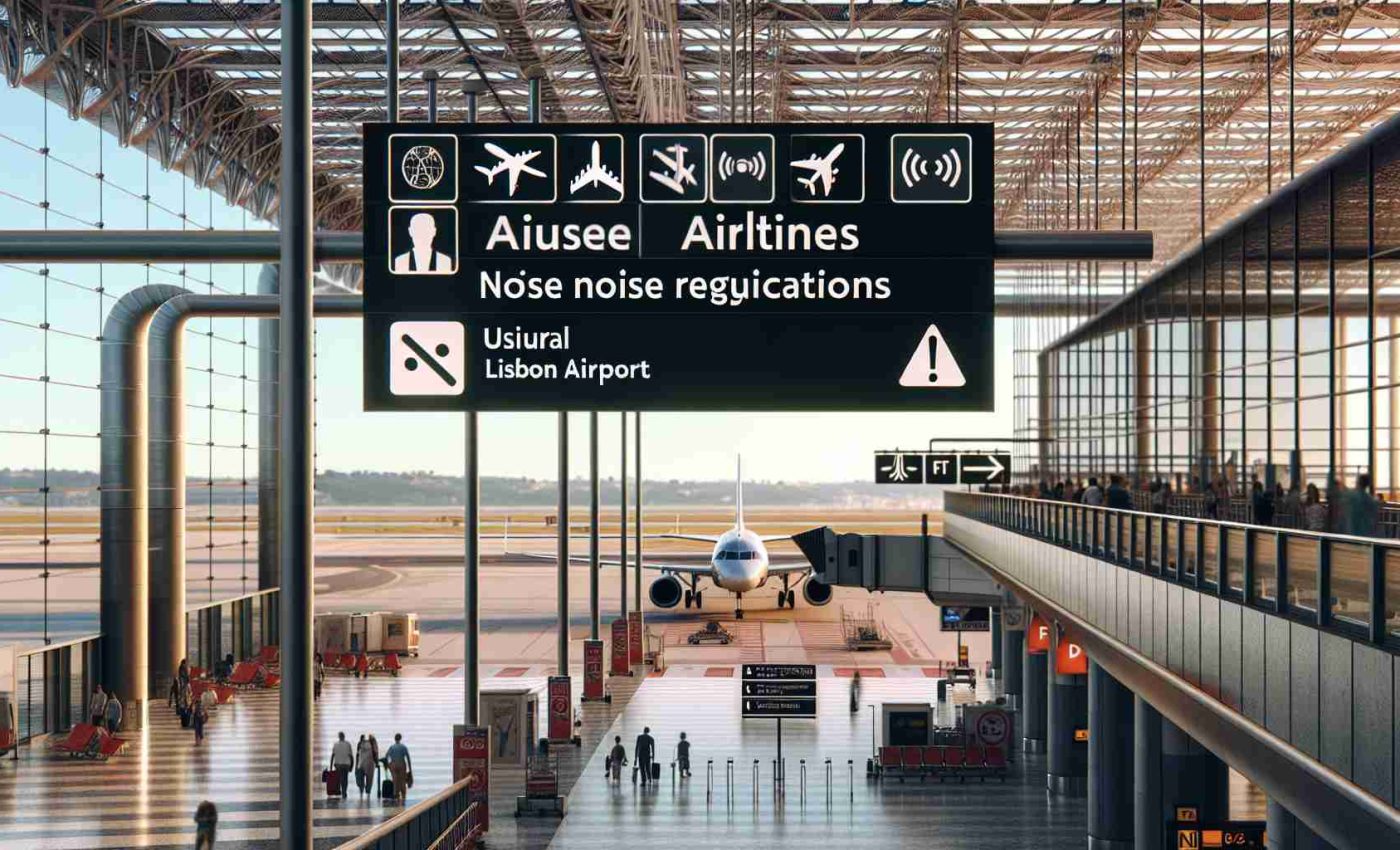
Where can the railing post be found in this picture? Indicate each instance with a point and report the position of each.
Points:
(1281, 572)
(1377, 592)
(1198, 566)
(1247, 577)
(1222, 560)
(1324, 583)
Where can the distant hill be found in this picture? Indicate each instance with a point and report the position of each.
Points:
(73, 488)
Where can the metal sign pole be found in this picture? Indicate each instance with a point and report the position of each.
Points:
(471, 576)
(593, 495)
(622, 528)
(637, 448)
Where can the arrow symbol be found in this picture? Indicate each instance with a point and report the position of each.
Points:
(993, 471)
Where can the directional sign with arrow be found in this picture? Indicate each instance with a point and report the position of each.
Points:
(983, 468)
(945, 468)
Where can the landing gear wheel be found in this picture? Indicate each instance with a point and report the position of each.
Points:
(739, 613)
(782, 597)
(698, 603)
(689, 595)
(792, 599)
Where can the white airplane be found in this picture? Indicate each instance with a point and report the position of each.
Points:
(823, 168)
(514, 163)
(682, 173)
(739, 563)
(595, 174)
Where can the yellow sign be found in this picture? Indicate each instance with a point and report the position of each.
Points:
(1081, 735)
(1188, 839)
(1186, 814)
(1212, 838)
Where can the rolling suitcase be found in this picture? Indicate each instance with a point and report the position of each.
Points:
(332, 779)
(655, 771)
(386, 789)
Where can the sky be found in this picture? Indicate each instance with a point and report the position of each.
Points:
(694, 446)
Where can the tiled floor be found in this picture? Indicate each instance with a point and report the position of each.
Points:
(146, 797)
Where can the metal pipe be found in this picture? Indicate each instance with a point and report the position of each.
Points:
(391, 60)
(269, 574)
(165, 367)
(296, 465)
(345, 246)
(124, 556)
(472, 89)
(593, 519)
(431, 77)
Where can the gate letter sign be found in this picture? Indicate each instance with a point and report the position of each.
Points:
(1070, 659)
(1038, 636)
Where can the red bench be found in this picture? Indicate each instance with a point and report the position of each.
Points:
(108, 746)
(330, 659)
(7, 740)
(252, 674)
(388, 663)
(79, 740)
(268, 655)
(944, 761)
(223, 693)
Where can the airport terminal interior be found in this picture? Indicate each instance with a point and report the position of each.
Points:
(497, 406)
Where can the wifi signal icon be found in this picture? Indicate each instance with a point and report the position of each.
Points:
(741, 168)
(755, 166)
(932, 168)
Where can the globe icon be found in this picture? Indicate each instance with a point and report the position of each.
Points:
(423, 167)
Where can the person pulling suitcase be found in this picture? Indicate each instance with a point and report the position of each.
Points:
(644, 754)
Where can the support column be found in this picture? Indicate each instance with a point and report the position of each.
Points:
(1013, 647)
(296, 467)
(1110, 762)
(996, 643)
(1066, 709)
(1287, 832)
(1170, 770)
(562, 542)
(622, 527)
(1033, 692)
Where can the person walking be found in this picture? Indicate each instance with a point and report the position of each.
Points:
(342, 760)
(199, 718)
(1315, 513)
(616, 759)
(644, 753)
(400, 767)
(318, 679)
(364, 766)
(206, 820)
(112, 713)
(683, 757)
(97, 705)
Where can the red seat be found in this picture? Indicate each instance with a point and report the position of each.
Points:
(268, 655)
(349, 662)
(392, 663)
(330, 659)
(108, 746)
(7, 740)
(996, 758)
(912, 758)
(933, 757)
(976, 757)
(889, 757)
(953, 756)
(198, 673)
(79, 739)
(244, 674)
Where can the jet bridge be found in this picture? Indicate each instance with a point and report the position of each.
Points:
(916, 563)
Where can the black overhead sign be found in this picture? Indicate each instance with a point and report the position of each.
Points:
(974, 468)
(685, 267)
(779, 690)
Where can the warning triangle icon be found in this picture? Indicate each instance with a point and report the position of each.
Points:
(932, 364)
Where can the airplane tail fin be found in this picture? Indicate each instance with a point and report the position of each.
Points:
(739, 493)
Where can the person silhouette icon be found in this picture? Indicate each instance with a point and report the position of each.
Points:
(423, 258)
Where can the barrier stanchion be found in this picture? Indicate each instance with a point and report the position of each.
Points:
(851, 779)
(802, 782)
(755, 783)
(828, 783)
(729, 780)
(673, 775)
(709, 780)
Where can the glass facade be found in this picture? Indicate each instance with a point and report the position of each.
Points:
(1270, 350)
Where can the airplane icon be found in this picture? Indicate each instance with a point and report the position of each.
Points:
(822, 168)
(513, 163)
(681, 174)
(595, 174)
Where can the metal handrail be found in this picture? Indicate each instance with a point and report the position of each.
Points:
(1158, 544)
(190, 609)
(54, 647)
(405, 819)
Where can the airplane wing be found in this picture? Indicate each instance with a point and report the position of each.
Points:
(826, 177)
(698, 538)
(808, 164)
(514, 179)
(497, 151)
(774, 538)
(789, 567)
(689, 569)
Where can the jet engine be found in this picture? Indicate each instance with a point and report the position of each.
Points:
(817, 593)
(666, 592)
